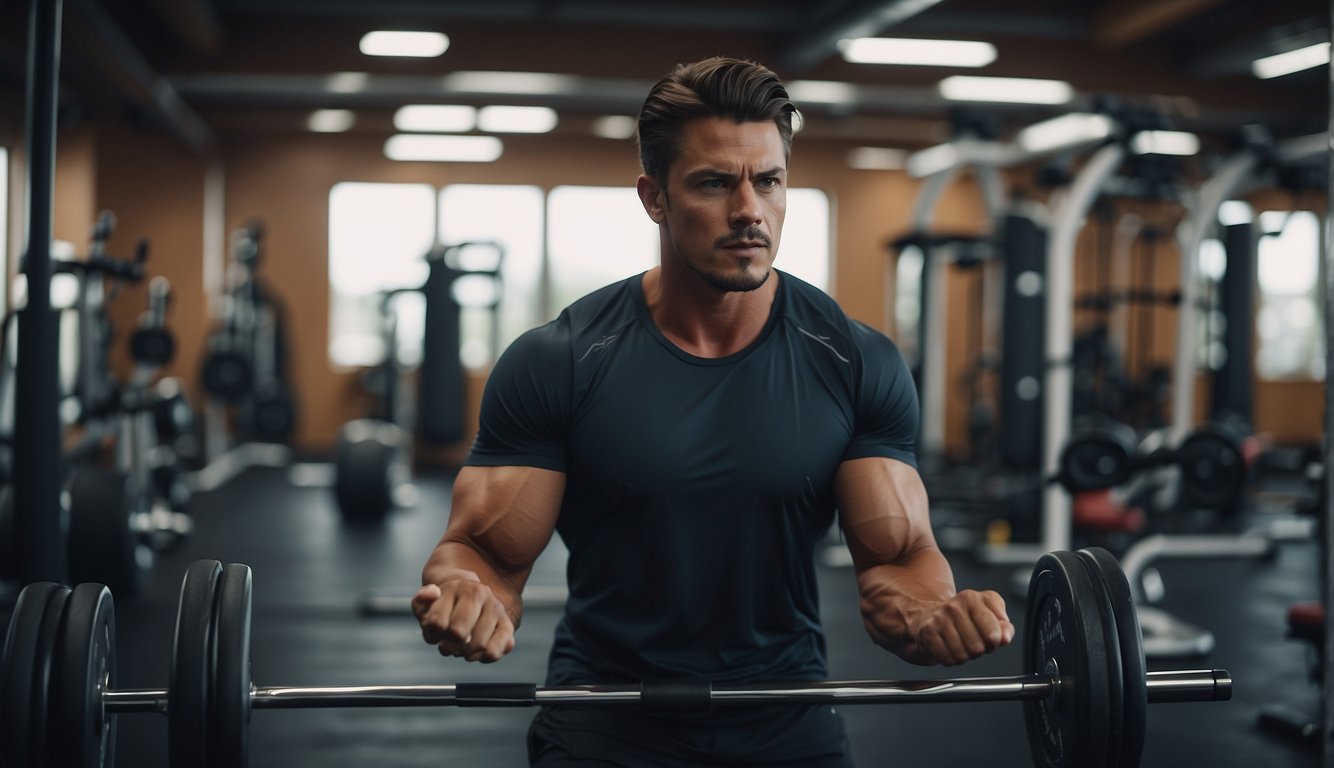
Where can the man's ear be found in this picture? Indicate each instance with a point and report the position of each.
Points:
(653, 196)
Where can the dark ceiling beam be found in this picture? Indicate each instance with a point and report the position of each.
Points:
(639, 13)
(195, 22)
(431, 10)
(809, 46)
(1122, 23)
(116, 58)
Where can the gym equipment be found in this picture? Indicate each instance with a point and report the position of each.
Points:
(41, 554)
(245, 372)
(111, 520)
(372, 458)
(1211, 460)
(441, 393)
(1233, 380)
(252, 350)
(1084, 689)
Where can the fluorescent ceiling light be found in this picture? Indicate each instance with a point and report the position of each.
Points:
(464, 149)
(415, 44)
(1064, 131)
(1013, 90)
(876, 159)
(614, 127)
(330, 120)
(520, 83)
(931, 161)
(1292, 61)
(821, 91)
(898, 50)
(436, 118)
(1164, 143)
(502, 119)
(347, 82)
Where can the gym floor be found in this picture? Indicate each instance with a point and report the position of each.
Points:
(311, 571)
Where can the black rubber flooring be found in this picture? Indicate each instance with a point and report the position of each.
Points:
(311, 572)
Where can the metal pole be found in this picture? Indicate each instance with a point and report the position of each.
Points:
(1162, 687)
(1059, 342)
(37, 460)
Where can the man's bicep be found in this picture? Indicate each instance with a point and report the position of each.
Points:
(507, 514)
(883, 510)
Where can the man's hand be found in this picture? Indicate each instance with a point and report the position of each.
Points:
(463, 617)
(962, 628)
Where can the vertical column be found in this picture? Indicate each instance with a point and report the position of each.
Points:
(1327, 702)
(1234, 388)
(37, 460)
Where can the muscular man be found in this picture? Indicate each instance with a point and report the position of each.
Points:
(691, 433)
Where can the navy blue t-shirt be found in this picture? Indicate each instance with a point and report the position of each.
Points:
(696, 488)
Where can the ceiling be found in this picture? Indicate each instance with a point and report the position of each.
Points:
(203, 69)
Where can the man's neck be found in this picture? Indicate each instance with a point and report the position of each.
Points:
(702, 320)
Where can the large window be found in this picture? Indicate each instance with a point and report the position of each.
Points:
(597, 235)
(804, 250)
(1289, 325)
(378, 234)
(511, 216)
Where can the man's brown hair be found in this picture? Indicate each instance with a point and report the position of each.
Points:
(718, 87)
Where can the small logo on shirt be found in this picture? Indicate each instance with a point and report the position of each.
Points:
(599, 346)
(824, 340)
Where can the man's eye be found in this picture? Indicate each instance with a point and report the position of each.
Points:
(769, 182)
(712, 184)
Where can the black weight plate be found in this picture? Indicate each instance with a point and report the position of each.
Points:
(18, 710)
(1115, 682)
(86, 667)
(364, 465)
(190, 705)
(1067, 729)
(1213, 471)
(229, 741)
(153, 346)
(40, 731)
(1096, 459)
(9, 556)
(272, 415)
(228, 376)
(1133, 666)
(103, 546)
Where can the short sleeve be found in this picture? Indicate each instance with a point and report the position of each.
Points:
(525, 413)
(886, 400)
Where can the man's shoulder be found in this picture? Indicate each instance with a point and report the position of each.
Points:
(815, 312)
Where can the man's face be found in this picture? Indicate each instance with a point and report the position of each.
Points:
(724, 202)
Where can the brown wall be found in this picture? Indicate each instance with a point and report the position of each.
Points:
(157, 191)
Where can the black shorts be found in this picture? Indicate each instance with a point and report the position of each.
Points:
(809, 736)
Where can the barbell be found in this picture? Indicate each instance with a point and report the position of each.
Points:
(1212, 461)
(1084, 690)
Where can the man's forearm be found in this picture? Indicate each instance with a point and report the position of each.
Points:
(895, 596)
(457, 560)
